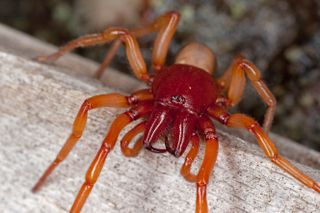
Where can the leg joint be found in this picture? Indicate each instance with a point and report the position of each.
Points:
(210, 134)
(76, 134)
(201, 184)
(133, 114)
(106, 147)
(117, 33)
(90, 181)
(272, 101)
(252, 72)
(274, 158)
(173, 15)
(253, 125)
(132, 99)
(87, 105)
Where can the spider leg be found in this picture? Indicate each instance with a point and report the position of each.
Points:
(211, 152)
(193, 152)
(235, 80)
(107, 59)
(243, 121)
(107, 145)
(165, 25)
(133, 52)
(106, 100)
(127, 138)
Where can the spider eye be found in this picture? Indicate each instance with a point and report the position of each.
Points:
(178, 99)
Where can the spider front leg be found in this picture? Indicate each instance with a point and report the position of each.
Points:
(132, 49)
(243, 121)
(211, 152)
(107, 100)
(107, 145)
(235, 80)
(210, 156)
(107, 59)
(165, 26)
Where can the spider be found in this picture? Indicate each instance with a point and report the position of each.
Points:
(180, 102)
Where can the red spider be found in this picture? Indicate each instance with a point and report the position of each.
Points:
(181, 102)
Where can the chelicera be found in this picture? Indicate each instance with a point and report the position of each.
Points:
(180, 104)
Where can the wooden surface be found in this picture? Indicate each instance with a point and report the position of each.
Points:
(38, 105)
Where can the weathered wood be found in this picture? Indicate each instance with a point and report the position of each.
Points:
(38, 105)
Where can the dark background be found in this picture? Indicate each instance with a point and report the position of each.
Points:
(282, 37)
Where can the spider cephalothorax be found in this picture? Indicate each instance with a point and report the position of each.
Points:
(182, 100)
(178, 105)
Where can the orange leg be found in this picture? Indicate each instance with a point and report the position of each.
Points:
(235, 80)
(96, 166)
(107, 145)
(132, 49)
(127, 138)
(243, 121)
(166, 26)
(185, 169)
(211, 152)
(140, 96)
(107, 59)
(107, 100)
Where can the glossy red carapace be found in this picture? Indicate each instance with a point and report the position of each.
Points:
(181, 93)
